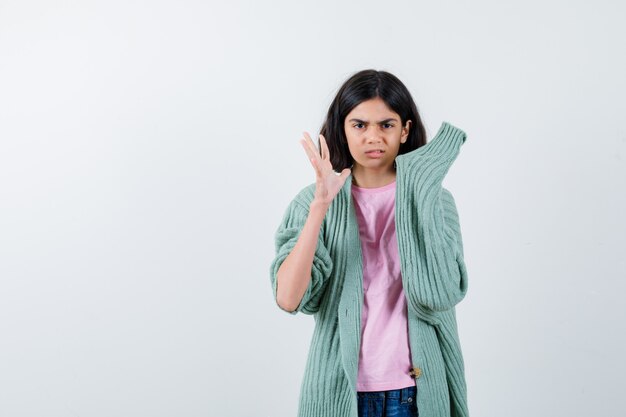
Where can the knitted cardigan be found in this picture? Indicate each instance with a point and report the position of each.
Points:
(434, 280)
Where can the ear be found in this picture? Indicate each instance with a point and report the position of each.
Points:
(405, 132)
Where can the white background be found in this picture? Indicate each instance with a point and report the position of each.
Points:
(148, 150)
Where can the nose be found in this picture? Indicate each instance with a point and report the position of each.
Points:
(374, 137)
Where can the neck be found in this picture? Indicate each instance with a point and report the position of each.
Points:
(368, 178)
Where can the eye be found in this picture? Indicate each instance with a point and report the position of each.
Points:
(358, 124)
(388, 124)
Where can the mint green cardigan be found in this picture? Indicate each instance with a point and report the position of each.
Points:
(434, 279)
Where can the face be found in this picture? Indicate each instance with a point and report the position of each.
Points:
(372, 126)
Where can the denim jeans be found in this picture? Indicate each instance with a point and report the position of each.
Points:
(392, 403)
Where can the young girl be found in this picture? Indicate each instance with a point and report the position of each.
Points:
(373, 250)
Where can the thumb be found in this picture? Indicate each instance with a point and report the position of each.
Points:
(344, 174)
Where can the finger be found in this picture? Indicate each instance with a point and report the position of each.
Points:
(344, 174)
(313, 151)
(312, 144)
(308, 142)
(321, 146)
(318, 172)
(307, 149)
(312, 157)
(324, 147)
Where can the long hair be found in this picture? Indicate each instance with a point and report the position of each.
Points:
(362, 86)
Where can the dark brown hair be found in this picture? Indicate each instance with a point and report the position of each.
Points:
(362, 86)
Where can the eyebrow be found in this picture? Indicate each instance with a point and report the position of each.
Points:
(365, 121)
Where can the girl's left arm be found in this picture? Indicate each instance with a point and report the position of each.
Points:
(434, 249)
(444, 261)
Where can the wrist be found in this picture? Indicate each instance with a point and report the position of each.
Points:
(319, 205)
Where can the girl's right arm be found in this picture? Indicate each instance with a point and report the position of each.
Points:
(294, 275)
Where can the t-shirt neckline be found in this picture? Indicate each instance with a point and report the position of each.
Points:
(375, 189)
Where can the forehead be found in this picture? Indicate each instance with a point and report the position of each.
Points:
(373, 108)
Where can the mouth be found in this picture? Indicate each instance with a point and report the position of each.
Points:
(375, 153)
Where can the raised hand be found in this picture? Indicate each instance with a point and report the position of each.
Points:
(327, 181)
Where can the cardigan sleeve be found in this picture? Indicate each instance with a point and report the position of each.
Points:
(444, 258)
(440, 280)
(286, 237)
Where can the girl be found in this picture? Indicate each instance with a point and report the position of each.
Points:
(373, 250)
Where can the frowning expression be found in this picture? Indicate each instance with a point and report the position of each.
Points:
(374, 133)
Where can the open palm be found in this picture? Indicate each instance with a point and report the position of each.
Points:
(327, 182)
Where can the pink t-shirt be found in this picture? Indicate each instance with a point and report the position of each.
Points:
(384, 358)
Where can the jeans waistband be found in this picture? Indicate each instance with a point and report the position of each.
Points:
(402, 393)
